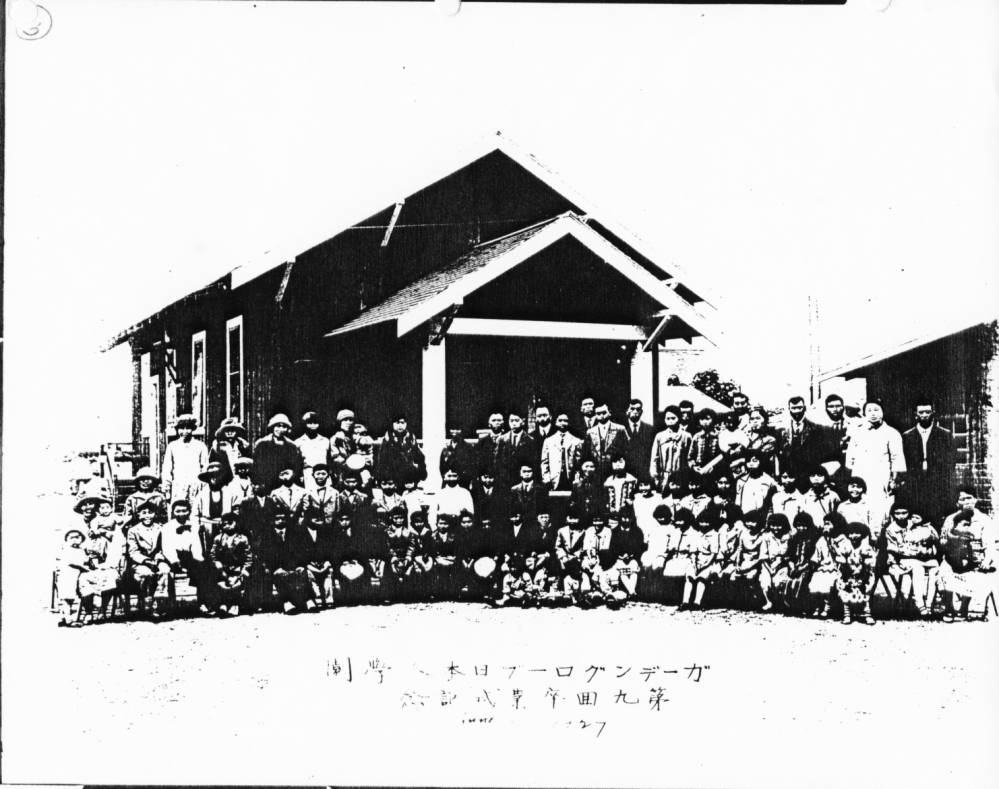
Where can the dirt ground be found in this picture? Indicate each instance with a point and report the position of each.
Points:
(461, 693)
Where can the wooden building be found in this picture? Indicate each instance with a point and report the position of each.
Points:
(493, 287)
(952, 367)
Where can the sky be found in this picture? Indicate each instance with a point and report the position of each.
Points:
(771, 153)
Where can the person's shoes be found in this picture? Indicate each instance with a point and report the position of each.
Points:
(948, 618)
(203, 610)
(289, 608)
(767, 607)
(868, 620)
(847, 618)
(683, 607)
(824, 613)
(234, 610)
(310, 605)
(222, 612)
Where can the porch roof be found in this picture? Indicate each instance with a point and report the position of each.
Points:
(447, 287)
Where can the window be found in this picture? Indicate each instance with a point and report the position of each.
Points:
(199, 402)
(234, 367)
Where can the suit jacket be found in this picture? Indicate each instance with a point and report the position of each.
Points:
(492, 505)
(668, 457)
(639, 450)
(539, 439)
(525, 541)
(799, 454)
(322, 502)
(255, 518)
(289, 553)
(940, 452)
(461, 458)
(514, 451)
(319, 548)
(601, 449)
(529, 500)
(551, 458)
(487, 451)
(293, 497)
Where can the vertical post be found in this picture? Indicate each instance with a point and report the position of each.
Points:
(434, 409)
(643, 381)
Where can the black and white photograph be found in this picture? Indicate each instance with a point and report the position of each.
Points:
(500, 394)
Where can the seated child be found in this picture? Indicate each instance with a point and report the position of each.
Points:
(575, 548)
(912, 548)
(232, 561)
(825, 567)
(855, 557)
(706, 556)
(775, 569)
(855, 509)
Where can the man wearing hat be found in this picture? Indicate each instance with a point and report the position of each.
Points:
(274, 453)
(230, 445)
(148, 490)
(314, 446)
(210, 502)
(342, 444)
(184, 459)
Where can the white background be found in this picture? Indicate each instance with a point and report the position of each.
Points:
(770, 152)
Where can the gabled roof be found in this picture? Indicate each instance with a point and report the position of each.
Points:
(603, 223)
(448, 286)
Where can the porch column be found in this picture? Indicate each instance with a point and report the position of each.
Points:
(434, 409)
(643, 380)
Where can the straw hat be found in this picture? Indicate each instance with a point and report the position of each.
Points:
(279, 419)
(78, 507)
(146, 472)
(231, 423)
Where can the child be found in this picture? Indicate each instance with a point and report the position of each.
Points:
(819, 499)
(757, 489)
(855, 509)
(444, 557)
(697, 498)
(72, 562)
(707, 560)
(657, 536)
(573, 547)
(912, 548)
(318, 547)
(679, 561)
(284, 555)
(676, 490)
(620, 486)
(401, 548)
(414, 498)
(788, 500)
(825, 567)
(800, 547)
(747, 561)
(856, 582)
(423, 553)
(517, 582)
(232, 561)
(150, 568)
(775, 569)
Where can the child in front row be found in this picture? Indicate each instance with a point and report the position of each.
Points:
(72, 561)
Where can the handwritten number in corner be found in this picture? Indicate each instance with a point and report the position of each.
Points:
(30, 20)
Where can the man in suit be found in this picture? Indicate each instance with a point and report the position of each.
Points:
(543, 428)
(605, 439)
(587, 413)
(515, 448)
(801, 443)
(527, 496)
(561, 455)
(929, 459)
(488, 446)
(255, 516)
(640, 437)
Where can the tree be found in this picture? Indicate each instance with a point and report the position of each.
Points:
(709, 382)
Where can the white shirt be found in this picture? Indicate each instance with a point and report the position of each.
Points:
(924, 433)
(314, 450)
(874, 454)
(171, 543)
(451, 501)
(183, 461)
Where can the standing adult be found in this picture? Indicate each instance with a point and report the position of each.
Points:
(488, 446)
(669, 451)
(229, 445)
(929, 459)
(544, 428)
(605, 439)
(561, 455)
(274, 453)
(342, 442)
(800, 444)
(740, 407)
(516, 448)
(314, 446)
(836, 437)
(399, 456)
(640, 437)
(875, 455)
(587, 413)
(185, 458)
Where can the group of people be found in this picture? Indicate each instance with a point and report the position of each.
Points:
(713, 509)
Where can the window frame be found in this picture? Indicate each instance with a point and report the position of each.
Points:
(231, 324)
(202, 416)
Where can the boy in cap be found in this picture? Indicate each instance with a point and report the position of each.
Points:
(150, 568)
(232, 561)
(184, 459)
(147, 484)
(313, 446)
(274, 453)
